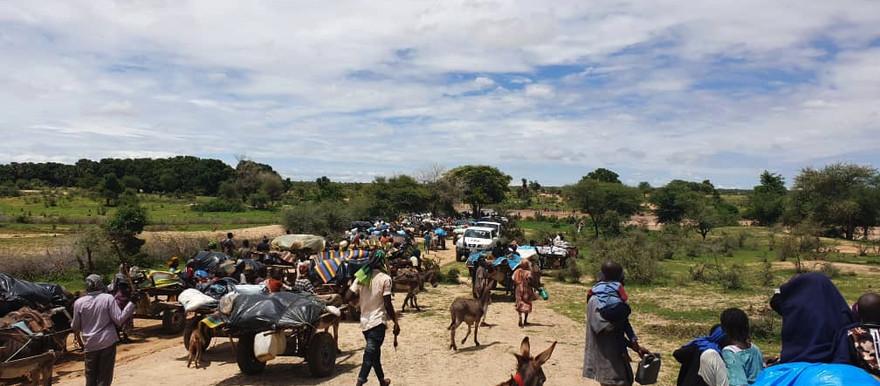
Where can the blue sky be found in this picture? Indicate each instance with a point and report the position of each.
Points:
(655, 90)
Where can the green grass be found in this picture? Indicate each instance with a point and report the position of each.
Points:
(72, 210)
(675, 308)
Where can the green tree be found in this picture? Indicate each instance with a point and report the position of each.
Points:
(110, 188)
(646, 188)
(607, 203)
(481, 185)
(766, 204)
(126, 223)
(328, 190)
(838, 197)
(132, 182)
(259, 200)
(272, 186)
(227, 191)
(392, 197)
(604, 175)
(672, 201)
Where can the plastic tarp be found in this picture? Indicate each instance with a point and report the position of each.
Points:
(221, 287)
(275, 311)
(193, 299)
(17, 293)
(553, 250)
(472, 259)
(814, 374)
(526, 251)
(207, 261)
(512, 260)
(440, 232)
(299, 242)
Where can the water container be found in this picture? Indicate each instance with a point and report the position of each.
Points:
(543, 293)
(649, 369)
(268, 344)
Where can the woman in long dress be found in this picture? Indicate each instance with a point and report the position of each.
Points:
(524, 293)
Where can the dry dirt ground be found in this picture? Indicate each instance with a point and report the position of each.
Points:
(422, 358)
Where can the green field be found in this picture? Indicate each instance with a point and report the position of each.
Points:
(72, 210)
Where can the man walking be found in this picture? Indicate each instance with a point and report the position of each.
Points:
(96, 317)
(373, 288)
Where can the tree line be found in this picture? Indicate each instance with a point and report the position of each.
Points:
(840, 200)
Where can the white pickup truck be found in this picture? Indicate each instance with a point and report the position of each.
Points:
(476, 238)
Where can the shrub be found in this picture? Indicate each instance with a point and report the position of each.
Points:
(325, 219)
(829, 269)
(219, 205)
(634, 252)
(728, 278)
(767, 277)
(450, 277)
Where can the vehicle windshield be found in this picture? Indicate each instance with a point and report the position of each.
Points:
(488, 225)
(477, 233)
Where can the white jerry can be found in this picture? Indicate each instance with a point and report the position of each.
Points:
(268, 344)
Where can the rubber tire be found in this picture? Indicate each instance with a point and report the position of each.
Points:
(244, 356)
(188, 329)
(173, 321)
(321, 355)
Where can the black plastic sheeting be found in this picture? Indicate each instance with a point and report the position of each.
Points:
(219, 288)
(207, 261)
(279, 310)
(17, 293)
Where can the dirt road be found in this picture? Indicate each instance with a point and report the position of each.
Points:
(423, 357)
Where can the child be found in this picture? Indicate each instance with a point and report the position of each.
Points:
(744, 360)
(612, 299)
(860, 344)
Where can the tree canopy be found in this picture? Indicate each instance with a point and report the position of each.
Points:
(840, 197)
(766, 204)
(607, 203)
(481, 185)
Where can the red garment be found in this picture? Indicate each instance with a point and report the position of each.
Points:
(274, 285)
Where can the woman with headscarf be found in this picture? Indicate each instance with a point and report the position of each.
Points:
(813, 314)
(523, 293)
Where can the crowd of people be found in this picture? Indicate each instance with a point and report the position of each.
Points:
(818, 327)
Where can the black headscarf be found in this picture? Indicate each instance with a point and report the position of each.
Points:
(813, 313)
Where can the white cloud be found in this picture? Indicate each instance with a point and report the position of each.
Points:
(336, 84)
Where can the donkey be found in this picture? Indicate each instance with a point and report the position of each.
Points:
(528, 368)
(411, 282)
(470, 311)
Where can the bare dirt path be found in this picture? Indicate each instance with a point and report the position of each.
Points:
(423, 357)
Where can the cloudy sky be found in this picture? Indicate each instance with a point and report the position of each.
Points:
(544, 90)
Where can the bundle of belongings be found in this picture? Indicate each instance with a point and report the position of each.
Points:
(15, 294)
(552, 250)
(299, 242)
(262, 312)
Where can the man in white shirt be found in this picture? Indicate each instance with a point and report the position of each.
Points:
(373, 290)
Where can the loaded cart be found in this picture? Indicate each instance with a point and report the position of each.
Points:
(161, 290)
(280, 324)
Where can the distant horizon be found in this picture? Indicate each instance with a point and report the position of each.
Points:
(515, 181)
(654, 90)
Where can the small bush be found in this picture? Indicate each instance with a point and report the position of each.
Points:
(729, 278)
(219, 205)
(767, 277)
(450, 277)
(640, 260)
(829, 269)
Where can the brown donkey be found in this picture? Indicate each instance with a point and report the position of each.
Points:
(470, 311)
(528, 369)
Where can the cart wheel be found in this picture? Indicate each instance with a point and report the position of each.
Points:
(321, 355)
(244, 355)
(188, 329)
(173, 321)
